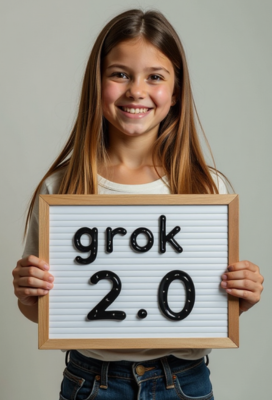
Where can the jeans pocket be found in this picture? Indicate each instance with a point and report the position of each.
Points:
(74, 387)
(194, 383)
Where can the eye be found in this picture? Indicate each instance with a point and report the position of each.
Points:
(157, 78)
(120, 75)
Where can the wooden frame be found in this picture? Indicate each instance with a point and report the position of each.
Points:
(232, 201)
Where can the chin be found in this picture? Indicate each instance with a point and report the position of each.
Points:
(131, 134)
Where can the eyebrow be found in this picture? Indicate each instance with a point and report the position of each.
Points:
(121, 66)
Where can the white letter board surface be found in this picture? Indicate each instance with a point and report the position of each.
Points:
(156, 262)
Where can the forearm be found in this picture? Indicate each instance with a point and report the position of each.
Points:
(30, 312)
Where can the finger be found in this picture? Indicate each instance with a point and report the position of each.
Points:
(249, 297)
(31, 282)
(241, 265)
(242, 274)
(35, 273)
(35, 261)
(22, 293)
(243, 284)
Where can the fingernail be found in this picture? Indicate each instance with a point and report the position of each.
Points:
(51, 278)
(225, 277)
(224, 284)
(46, 266)
(49, 286)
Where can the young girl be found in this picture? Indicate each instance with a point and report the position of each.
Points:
(135, 133)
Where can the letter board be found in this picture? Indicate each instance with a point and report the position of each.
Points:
(138, 271)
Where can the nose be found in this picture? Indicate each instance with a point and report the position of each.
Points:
(136, 90)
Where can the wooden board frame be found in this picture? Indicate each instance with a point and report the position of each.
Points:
(232, 201)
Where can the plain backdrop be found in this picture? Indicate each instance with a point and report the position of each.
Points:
(44, 49)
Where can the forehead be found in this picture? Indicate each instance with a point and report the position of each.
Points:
(137, 52)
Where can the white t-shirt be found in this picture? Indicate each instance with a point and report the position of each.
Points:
(51, 186)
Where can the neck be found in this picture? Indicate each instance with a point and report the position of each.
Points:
(130, 159)
(132, 151)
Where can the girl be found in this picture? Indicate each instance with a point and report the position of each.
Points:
(135, 133)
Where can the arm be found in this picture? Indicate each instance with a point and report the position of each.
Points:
(243, 280)
(31, 280)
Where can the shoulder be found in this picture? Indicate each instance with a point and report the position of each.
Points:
(50, 186)
(220, 182)
(52, 183)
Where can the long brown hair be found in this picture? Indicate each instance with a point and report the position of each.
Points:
(177, 145)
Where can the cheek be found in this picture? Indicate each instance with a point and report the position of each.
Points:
(163, 97)
(110, 93)
(108, 98)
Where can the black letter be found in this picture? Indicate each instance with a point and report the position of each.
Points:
(110, 234)
(168, 238)
(91, 247)
(134, 244)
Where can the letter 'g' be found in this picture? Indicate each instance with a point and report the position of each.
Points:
(91, 247)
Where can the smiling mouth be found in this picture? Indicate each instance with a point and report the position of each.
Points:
(140, 110)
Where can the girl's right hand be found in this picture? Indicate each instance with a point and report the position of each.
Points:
(31, 279)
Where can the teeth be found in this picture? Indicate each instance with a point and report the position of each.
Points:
(135, 110)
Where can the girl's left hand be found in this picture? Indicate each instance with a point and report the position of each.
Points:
(243, 280)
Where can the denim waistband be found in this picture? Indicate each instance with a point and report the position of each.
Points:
(141, 371)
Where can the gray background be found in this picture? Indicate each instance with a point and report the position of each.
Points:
(44, 49)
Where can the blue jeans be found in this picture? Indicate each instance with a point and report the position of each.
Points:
(167, 378)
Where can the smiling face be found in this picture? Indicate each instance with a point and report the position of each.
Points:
(137, 88)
